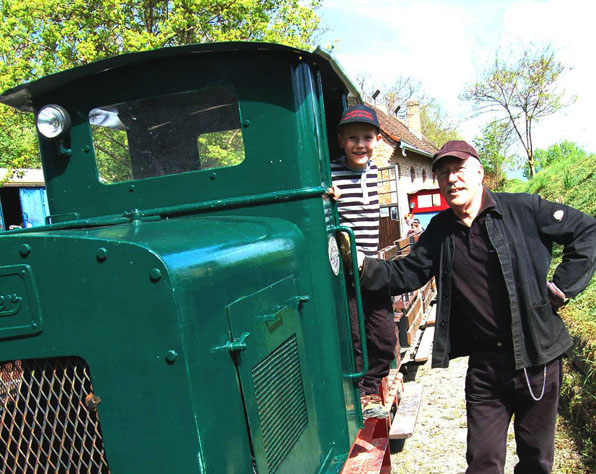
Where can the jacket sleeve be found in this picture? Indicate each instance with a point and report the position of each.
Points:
(576, 232)
(405, 274)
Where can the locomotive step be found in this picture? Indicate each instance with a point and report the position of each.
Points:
(369, 453)
(407, 412)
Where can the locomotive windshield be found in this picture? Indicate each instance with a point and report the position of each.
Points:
(167, 134)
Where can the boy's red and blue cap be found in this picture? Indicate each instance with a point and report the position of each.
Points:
(359, 114)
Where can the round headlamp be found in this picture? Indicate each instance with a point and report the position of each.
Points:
(52, 121)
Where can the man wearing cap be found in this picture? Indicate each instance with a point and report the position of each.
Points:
(490, 255)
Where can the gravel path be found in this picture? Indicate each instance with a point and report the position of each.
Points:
(438, 445)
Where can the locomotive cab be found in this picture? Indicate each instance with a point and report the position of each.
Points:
(184, 308)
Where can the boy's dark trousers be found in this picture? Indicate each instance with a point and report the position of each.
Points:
(379, 329)
(495, 392)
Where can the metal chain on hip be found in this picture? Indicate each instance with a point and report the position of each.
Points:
(536, 399)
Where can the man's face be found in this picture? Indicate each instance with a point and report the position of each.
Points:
(358, 141)
(460, 181)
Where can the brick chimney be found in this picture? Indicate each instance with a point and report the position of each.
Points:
(413, 117)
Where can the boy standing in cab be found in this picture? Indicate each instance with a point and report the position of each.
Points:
(354, 188)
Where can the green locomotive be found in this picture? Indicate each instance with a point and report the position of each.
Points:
(184, 309)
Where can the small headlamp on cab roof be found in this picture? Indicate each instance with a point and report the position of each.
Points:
(53, 121)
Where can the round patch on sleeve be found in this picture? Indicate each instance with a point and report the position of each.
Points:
(558, 215)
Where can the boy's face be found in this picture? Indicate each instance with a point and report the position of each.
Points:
(358, 141)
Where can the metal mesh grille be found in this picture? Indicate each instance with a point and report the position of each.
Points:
(48, 423)
(280, 401)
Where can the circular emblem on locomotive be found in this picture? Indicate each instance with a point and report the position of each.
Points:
(334, 257)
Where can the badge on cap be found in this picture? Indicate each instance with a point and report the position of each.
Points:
(558, 215)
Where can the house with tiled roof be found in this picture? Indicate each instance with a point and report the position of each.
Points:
(404, 159)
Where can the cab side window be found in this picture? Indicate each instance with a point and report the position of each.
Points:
(167, 135)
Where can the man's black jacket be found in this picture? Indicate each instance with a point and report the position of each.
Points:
(521, 228)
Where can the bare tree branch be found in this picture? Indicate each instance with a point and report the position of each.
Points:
(524, 90)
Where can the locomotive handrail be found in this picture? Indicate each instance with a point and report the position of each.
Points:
(88, 222)
(141, 214)
(265, 198)
(359, 310)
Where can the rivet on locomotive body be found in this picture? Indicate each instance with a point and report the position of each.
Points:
(101, 254)
(24, 250)
(246, 123)
(171, 356)
(131, 188)
(86, 149)
(213, 176)
(155, 275)
(92, 401)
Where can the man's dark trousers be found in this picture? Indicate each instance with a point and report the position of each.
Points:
(495, 392)
(381, 339)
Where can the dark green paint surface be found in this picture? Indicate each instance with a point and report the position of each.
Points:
(190, 279)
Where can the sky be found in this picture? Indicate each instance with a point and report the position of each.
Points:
(446, 45)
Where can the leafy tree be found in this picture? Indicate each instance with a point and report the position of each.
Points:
(43, 36)
(39, 37)
(215, 149)
(223, 148)
(493, 147)
(18, 143)
(522, 90)
(562, 151)
(111, 154)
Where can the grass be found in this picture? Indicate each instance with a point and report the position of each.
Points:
(573, 182)
(577, 408)
(568, 456)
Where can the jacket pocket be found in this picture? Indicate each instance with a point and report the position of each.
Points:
(545, 325)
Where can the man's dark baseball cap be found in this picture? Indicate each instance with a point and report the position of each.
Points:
(359, 114)
(457, 148)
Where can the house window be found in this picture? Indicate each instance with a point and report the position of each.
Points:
(425, 200)
(387, 185)
(412, 174)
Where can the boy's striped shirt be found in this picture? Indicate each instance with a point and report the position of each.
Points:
(358, 204)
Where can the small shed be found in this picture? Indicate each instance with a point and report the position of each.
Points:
(425, 203)
(23, 199)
